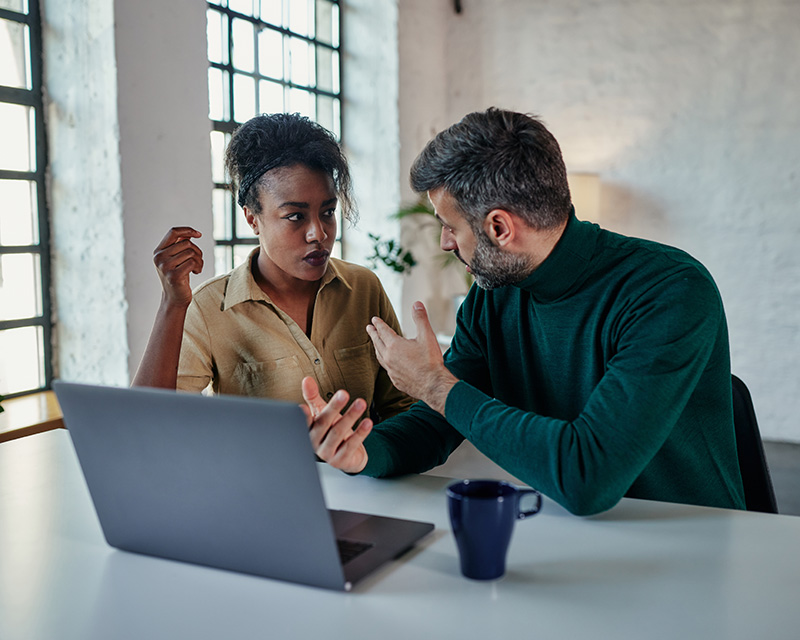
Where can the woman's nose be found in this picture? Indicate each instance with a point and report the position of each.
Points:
(315, 232)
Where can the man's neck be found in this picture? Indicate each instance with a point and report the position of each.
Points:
(538, 244)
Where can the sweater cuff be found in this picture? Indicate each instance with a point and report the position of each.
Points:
(462, 405)
(378, 458)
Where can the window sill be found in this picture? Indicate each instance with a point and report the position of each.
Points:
(30, 414)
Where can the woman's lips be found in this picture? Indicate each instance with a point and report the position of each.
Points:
(316, 258)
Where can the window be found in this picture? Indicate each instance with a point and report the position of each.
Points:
(25, 351)
(266, 56)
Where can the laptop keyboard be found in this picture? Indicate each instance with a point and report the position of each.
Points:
(350, 549)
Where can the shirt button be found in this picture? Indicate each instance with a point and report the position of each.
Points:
(316, 361)
(329, 395)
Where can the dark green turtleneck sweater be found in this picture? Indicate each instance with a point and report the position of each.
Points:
(606, 373)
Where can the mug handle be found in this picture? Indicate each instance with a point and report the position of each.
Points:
(522, 514)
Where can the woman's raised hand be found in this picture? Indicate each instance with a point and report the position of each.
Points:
(175, 257)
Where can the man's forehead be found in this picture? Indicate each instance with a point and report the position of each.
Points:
(444, 205)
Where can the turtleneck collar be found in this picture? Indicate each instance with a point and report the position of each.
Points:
(566, 264)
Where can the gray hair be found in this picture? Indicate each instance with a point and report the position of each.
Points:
(497, 159)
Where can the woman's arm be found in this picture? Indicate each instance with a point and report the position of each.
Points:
(175, 257)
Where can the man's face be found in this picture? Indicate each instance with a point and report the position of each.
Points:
(491, 266)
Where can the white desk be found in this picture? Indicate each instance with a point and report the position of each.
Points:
(643, 570)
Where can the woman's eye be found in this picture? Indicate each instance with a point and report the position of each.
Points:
(330, 213)
(294, 217)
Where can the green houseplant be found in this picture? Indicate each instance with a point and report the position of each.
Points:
(393, 254)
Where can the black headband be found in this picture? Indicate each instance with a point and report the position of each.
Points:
(254, 174)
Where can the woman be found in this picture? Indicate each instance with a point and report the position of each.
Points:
(290, 310)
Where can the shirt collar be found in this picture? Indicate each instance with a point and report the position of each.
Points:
(567, 263)
(242, 285)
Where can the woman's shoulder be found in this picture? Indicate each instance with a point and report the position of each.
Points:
(356, 275)
(212, 291)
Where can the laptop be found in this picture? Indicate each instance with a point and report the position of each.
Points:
(223, 481)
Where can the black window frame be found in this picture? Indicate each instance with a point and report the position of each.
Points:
(228, 126)
(33, 97)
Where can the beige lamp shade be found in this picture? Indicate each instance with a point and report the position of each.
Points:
(585, 191)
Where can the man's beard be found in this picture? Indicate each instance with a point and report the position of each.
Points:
(493, 267)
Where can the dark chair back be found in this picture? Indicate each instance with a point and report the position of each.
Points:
(758, 492)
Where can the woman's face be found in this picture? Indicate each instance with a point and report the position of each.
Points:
(297, 224)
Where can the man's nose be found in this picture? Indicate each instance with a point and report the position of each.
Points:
(447, 242)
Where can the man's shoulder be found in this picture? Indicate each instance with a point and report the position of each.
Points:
(646, 256)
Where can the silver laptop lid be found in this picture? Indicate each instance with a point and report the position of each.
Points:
(219, 481)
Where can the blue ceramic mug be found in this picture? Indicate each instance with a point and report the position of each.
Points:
(482, 514)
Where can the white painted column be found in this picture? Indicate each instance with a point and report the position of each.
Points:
(129, 157)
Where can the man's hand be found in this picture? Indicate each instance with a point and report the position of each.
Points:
(175, 257)
(415, 366)
(331, 432)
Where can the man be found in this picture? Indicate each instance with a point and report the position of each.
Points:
(590, 365)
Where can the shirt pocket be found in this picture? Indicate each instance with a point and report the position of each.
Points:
(279, 379)
(359, 368)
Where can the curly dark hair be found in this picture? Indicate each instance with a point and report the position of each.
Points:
(497, 159)
(269, 141)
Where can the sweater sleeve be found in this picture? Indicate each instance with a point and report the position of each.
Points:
(665, 340)
(421, 438)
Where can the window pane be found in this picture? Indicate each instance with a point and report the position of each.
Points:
(335, 71)
(337, 119)
(242, 6)
(240, 253)
(272, 12)
(335, 26)
(301, 62)
(15, 132)
(244, 97)
(19, 220)
(337, 247)
(221, 209)
(20, 6)
(270, 97)
(14, 48)
(244, 52)
(299, 18)
(219, 107)
(270, 53)
(324, 21)
(327, 112)
(302, 102)
(219, 3)
(217, 32)
(218, 142)
(20, 286)
(222, 260)
(22, 364)
(325, 69)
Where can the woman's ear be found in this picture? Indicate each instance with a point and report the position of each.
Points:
(251, 219)
(500, 226)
